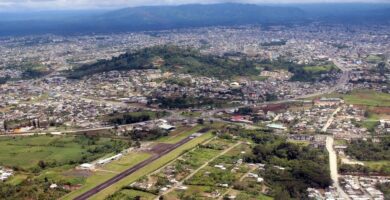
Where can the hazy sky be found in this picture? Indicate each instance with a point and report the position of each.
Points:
(107, 4)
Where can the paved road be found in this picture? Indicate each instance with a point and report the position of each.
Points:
(131, 170)
(330, 120)
(333, 167)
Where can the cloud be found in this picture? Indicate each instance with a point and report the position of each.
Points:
(109, 4)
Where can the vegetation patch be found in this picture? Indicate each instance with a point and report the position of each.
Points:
(290, 168)
(306, 73)
(36, 153)
(171, 58)
(133, 117)
(131, 194)
(369, 150)
(366, 98)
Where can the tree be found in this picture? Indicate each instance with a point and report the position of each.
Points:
(382, 67)
(6, 125)
(137, 144)
(42, 164)
(200, 121)
(282, 195)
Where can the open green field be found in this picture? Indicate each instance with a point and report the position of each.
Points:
(378, 165)
(26, 152)
(318, 69)
(191, 113)
(375, 58)
(149, 168)
(179, 134)
(246, 196)
(126, 161)
(17, 179)
(196, 192)
(371, 122)
(258, 78)
(299, 142)
(365, 98)
(131, 194)
(340, 142)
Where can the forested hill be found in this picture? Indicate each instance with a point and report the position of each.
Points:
(171, 58)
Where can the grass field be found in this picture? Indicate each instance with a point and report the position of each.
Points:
(365, 98)
(374, 58)
(191, 113)
(149, 168)
(378, 165)
(134, 193)
(300, 143)
(195, 191)
(17, 179)
(26, 152)
(371, 122)
(246, 196)
(179, 134)
(340, 142)
(126, 161)
(318, 69)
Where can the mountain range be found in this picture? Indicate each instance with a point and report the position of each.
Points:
(150, 18)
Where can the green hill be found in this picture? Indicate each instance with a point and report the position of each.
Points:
(173, 59)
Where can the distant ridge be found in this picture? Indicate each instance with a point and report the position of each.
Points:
(150, 18)
(194, 15)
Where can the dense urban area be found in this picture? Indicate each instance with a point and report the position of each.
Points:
(238, 112)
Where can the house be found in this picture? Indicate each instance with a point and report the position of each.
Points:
(166, 127)
(220, 167)
(277, 126)
(107, 160)
(87, 166)
(328, 101)
(240, 118)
